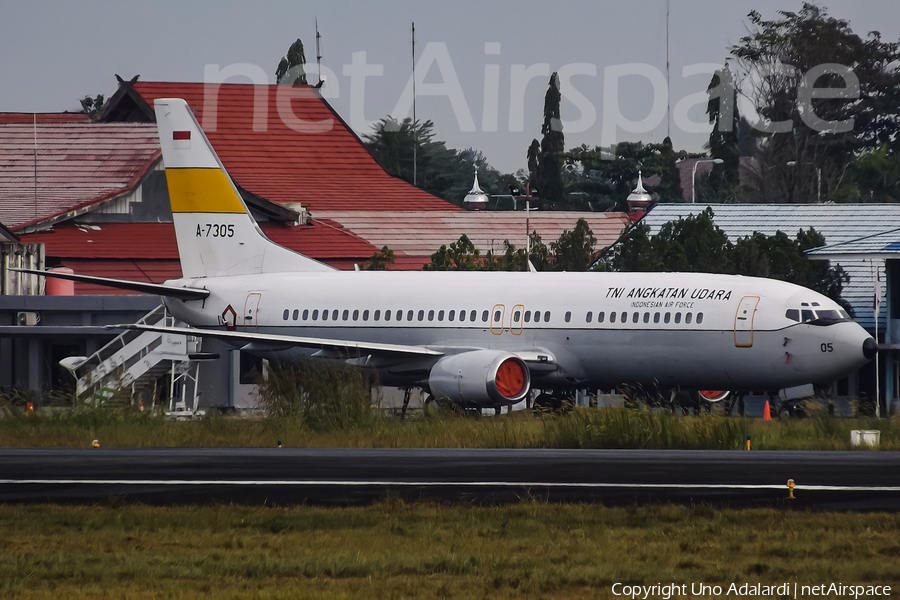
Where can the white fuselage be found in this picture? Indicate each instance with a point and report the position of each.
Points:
(672, 329)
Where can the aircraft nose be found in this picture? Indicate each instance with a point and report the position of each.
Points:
(870, 348)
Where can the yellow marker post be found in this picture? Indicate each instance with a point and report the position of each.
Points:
(748, 442)
(790, 485)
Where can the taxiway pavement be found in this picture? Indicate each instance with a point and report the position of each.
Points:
(827, 480)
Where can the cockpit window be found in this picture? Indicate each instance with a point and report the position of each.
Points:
(831, 315)
(822, 315)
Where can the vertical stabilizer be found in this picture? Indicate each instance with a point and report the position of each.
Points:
(216, 233)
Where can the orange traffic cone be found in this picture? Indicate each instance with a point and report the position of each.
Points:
(767, 414)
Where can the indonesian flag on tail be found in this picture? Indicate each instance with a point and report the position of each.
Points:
(181, 139)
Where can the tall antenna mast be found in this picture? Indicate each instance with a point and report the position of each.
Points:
(415, 131)
(668, 91)
(318, 53)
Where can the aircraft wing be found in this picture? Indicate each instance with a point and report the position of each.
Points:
(346, 346)
(183, 293)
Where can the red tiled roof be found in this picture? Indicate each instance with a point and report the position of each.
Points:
(148, 252)
(326, 170)
(322, 240)
(145, 271)
(59, 166)
(30, 118)
(415, 235)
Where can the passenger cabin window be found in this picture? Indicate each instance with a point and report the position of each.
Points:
(600, 317)
(356, 315)
(588, 317)
(296, 314)
(623, 317)
(656, 317)
(678, 317)
(699, 318)
(345, 315)
(793, 314)
(528, 316)
(421, 315)
(431, 315)
(537, 316)
(305, 314)
(366, 315)
(440, 315)
(409, 315)
(546, 316)
(285, 315)
(316, 315)
(472, 315)
(451, 315)
(497, 316)
(635, 317)
(667, 317)
(484, 316)
(387, 315)
(377, 315)
(646, 317)
(517, 316)
(612, 317)
(568, 316)
(688, 317)
(325, 315)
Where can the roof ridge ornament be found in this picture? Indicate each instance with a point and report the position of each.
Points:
(475, 189)
(476, 198)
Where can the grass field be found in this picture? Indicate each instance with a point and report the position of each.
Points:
(396, 550)
(583, 428)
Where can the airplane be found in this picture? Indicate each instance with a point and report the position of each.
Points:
(479, 339)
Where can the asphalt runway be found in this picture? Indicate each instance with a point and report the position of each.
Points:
(824, 480)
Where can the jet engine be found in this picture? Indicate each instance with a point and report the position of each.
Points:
(480, 378)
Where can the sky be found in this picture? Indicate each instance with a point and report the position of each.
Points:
(482, 65)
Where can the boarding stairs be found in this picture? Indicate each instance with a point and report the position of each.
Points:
(135, 362)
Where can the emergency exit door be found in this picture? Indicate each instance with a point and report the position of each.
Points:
(743, 321)
(251, 308)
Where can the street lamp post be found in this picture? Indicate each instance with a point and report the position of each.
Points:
(793, 163)
(716, 161)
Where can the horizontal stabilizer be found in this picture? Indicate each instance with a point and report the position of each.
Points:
(123, 284)
(347, 346)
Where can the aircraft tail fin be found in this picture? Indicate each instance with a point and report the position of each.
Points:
(215, 231)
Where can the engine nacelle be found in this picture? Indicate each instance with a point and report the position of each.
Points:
(480, 378)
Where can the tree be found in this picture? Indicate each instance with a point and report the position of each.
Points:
(696, 244)
(291, 70)
(874, 176)
(612, 173)
(380, 259)
(441, 171)
(539, 254)
(574, 249)
(778, 54)
(461, 255)
(724, 142)
(546, 167)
